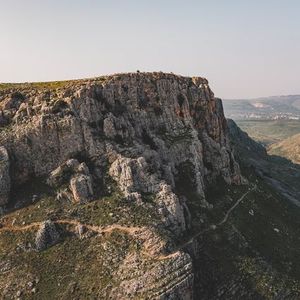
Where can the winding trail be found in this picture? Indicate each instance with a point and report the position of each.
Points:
(211, 227)
(98, 229)
(230, 210)
(131, 230)
(20, 228)
(108, 229)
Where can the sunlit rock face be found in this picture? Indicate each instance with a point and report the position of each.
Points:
(164, 119)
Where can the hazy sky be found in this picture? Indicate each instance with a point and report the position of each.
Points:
(244, 48)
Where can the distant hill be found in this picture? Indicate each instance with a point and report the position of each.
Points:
(268, 132)
(268, 108)
(272, 121)
(289, 148)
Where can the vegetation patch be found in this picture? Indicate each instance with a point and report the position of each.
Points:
(184, 137)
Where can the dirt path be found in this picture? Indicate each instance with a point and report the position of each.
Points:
(129, 229)
(230, 210)
(20, 228)
(98, 229)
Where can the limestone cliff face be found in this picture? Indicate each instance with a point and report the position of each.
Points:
(151, 132)
(160, 119)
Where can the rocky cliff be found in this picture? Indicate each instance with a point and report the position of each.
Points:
(132, 121)
(132, 155)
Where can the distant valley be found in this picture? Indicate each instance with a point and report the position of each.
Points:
(273, 121)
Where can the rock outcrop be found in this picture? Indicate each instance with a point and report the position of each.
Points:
(172, 279)
(4, 176)
(134, 178)
(81, 187)
(46, 236)
(77, 176)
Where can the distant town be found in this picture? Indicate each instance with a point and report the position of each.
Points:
(271, 108)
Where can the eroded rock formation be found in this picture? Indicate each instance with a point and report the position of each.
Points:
(46, 236)
(152, 122)
(159, 136)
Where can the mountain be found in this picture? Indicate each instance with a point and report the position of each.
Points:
(289, 148)
(268, 108)
(128, 187)
(112, 161)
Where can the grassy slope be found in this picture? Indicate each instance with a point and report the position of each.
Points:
(270, 263)
(81, 268)
(289, 148)
(268, 132)
(35, 85)
(49, 85)
(84, 268)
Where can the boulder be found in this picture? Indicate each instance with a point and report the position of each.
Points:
(81, 188)
(63, 173)
(47, 236)
(79, 178)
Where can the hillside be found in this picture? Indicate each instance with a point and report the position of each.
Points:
(289, 148)
(277, 171)
(268, 132)
(127, 187)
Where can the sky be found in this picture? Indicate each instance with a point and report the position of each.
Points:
(244, 48)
